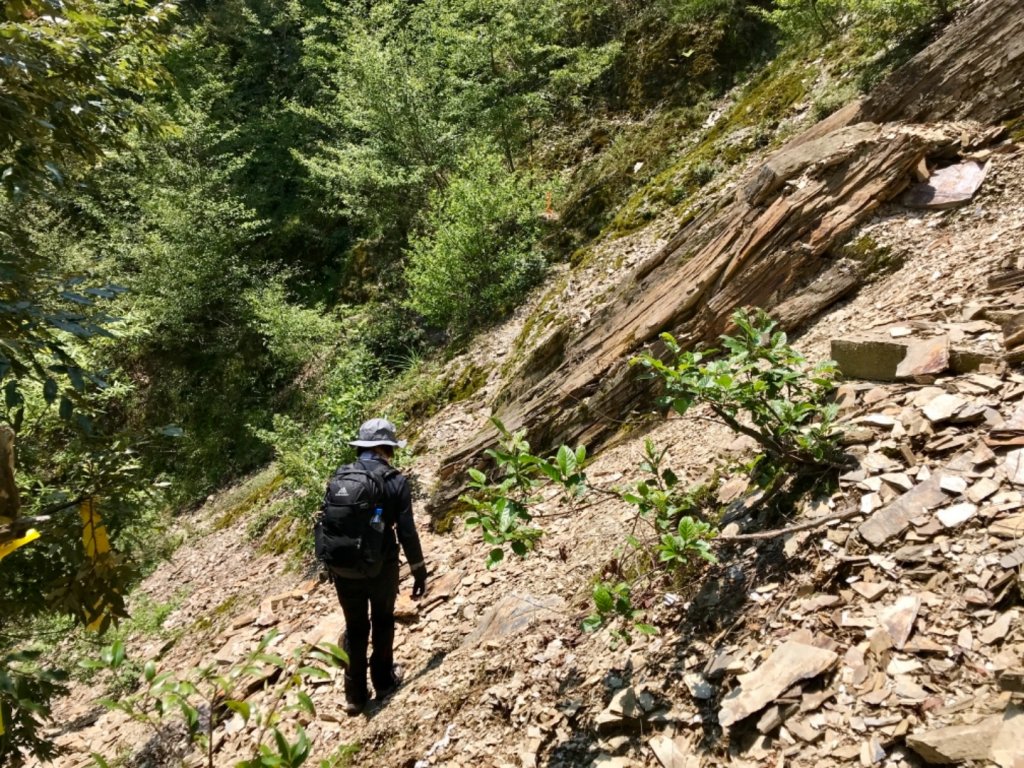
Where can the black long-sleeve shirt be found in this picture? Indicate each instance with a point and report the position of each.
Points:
(398, 518)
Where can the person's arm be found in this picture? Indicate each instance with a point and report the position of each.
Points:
(409, 538)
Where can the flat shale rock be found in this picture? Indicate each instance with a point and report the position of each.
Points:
(513, 614)
(999, 738)
(956, 743)
(947, 187)
(789, 664)
(673, 753)
(893, 519)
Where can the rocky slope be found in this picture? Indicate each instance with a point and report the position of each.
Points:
(882, 629)
(762, 239)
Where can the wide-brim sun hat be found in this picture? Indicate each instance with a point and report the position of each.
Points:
(377, 432)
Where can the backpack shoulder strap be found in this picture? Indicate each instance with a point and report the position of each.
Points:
(383, 472)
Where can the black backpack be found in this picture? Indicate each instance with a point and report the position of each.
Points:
(345, 541)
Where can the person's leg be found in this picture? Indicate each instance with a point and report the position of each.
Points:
(353, 595)
(383, 593)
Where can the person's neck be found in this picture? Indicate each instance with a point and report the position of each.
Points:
(369, 453)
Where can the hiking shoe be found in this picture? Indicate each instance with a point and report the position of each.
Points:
(397, 675)
(353, 708)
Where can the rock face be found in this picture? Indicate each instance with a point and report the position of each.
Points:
(759, 246)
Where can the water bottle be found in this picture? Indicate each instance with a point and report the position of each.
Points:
(373, 540)
(377, 521)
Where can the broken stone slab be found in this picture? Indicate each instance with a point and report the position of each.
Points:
(513, 614)
(998, 629)
(898, 620)
(624, 704)
(948, 187)
(982, 489)
(673, 753)
(953, 484)
(944, 408)
(1009, 527)
(406, 608)
(804, 731)
(790, 663)
(894, 518)
(1014, 464)
(1013, 560)
(869, 590)
(329, 630)
(957, 515)
(956, 743)
(928, 357)
(698, 686)
(888, 359)
(1008, 746)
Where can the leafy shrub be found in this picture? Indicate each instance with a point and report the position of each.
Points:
(762, 378)
(477, 254)
(294, 335)
(313, 442)
(879, 21)
(614, 601)
(670, 541)
(26, 693)
(207, 696)
(502, 510)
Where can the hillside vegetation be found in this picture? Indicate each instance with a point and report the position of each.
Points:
(233, 230)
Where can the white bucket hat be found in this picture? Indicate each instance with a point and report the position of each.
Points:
(377, 432)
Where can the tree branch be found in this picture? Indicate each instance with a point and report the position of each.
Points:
(809, 525)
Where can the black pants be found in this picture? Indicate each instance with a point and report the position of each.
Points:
(369, 604)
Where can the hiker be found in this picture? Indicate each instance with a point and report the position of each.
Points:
(365, 505)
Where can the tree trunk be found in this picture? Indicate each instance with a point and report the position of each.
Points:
(9, 499)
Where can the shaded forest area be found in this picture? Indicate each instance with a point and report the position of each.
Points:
(228, 228)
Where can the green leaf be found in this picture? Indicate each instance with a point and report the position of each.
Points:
(65, 409)
(241, 707)
(12, 395)
(646, 629)
(306, 703)
(592, 623)
(270, 658)
(551, 472)
(49, 391)
(314, 672)
(603, 599)
(149, 671)
(118, 653)
(77, 379)
(494, 557)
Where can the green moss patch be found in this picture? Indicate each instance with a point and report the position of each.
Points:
(239, 503)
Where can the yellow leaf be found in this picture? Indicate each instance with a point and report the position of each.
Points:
(6, 547)
(94, 533)
(1, 723)
(95, 616)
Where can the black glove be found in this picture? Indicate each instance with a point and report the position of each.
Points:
(419, 581)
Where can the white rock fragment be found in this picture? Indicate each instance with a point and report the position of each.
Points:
(958, 514)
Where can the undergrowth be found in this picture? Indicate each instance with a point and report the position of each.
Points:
(758, 385)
